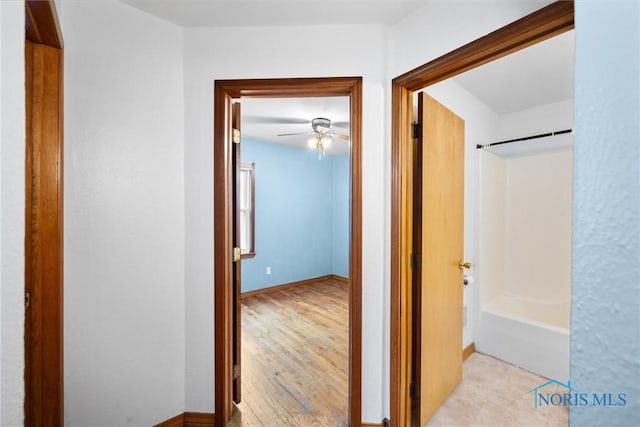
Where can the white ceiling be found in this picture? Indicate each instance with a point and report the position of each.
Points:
(227, 13)
(291, 115)
(541, 74)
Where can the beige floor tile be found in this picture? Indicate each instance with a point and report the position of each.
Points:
(494, 393)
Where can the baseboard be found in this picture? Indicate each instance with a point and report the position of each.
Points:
(339, 278)
(190, 419)
(177, 421)
(468, 351)
(286, 286)
(372, 424)
(199, 419)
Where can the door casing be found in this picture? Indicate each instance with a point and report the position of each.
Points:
(43, 245)
(538, 26)
(224, 92)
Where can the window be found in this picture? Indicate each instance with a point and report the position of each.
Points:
(247, 212)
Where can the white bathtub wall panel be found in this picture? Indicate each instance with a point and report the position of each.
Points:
(491, 220)
(547, 314)
(537, 256)
(538, 349)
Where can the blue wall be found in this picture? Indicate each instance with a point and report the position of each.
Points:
(605, 316)
(340, 243)
(295, 207)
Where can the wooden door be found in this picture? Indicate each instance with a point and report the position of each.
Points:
(438, 367)
(237, 197)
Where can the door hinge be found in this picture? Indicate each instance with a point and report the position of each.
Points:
(236, 371)
(236, 136)
(415, 261)
(416, 130)
(236, 254)
(414, 391)
(27, 299)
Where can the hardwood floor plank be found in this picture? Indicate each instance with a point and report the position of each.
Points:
(295, 367)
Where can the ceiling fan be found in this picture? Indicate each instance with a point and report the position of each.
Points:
(321, 135)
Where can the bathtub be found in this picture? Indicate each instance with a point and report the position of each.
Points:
(531, 334)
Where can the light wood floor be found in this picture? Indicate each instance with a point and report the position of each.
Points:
(295, 357)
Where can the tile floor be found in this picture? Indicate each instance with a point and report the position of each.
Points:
(494, 393)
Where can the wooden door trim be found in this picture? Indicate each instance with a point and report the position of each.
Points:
(224, 92)
(43, 377)
(41, 23)
(547, 22)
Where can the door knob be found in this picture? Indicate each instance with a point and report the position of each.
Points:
(464, 265)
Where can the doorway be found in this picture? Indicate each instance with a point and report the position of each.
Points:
(294, 240)
(538, 26)
(226, 274)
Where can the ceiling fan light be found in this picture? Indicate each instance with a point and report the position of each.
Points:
(320, 124)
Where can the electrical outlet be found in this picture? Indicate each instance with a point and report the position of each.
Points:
(268, 270)
(464, 316)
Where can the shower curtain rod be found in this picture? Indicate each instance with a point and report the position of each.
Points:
(526, 138)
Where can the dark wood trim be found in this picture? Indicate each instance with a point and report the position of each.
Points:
(248, 255)
(190, 419)
(372, 424)
(285, 286)
(339, 278)
(355, 259)
(224, 91)
(177, 421)
(199, 419)
(416, 279)
(223, 244)
(41, 23)
(43, 356)
(468, 351)
(236, 331)
(401, 246)
(547, 22)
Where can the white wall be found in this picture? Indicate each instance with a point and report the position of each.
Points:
(605, 341)
(443, 25)
(124, 219)
(480, 124)
(279, 52)
(12, 133)
(536, 120)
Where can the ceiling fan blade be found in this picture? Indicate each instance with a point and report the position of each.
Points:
(339, 136)
(274, 120)
(343, 125)
(292, 134)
